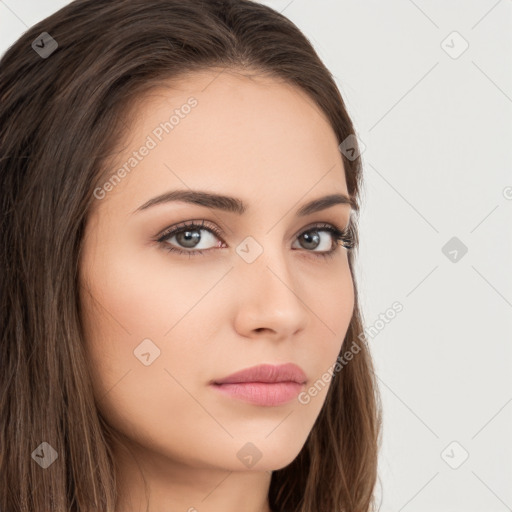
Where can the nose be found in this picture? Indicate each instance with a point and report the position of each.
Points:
(270, 300)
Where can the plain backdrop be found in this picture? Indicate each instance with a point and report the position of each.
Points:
(428, 85)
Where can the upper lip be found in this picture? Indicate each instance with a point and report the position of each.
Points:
(288, 372)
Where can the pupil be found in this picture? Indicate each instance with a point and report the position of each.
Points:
(307, 237)
(189, 238)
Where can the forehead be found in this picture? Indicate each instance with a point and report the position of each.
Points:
(226, 132)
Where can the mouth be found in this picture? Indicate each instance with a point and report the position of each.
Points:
(266, 385)
(261, 393)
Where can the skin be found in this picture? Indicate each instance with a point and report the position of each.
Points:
(210, 315)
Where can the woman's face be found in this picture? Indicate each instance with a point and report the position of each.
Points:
(161, 326)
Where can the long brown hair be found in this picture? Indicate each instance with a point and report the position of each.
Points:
(61, 115)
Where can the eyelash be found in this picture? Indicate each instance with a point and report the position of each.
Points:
(344, 236)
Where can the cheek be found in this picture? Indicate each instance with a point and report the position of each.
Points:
(143, 294)
(332, 304)
(331, 297)
(137, 313)
(141, 308)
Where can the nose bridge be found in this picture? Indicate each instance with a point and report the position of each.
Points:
(270, 289)
(274, 276)
(265, 262)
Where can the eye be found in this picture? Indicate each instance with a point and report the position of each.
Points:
(187, 235)
(330, 245)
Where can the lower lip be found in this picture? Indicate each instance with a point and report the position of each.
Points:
(261, 393)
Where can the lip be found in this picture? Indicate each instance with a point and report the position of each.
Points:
(266, 384)
(268, 373)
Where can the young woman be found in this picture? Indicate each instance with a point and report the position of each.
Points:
(180, 328)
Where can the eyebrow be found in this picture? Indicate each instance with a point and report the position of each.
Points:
(236, 205)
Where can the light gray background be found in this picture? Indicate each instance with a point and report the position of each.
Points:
(437, 130)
